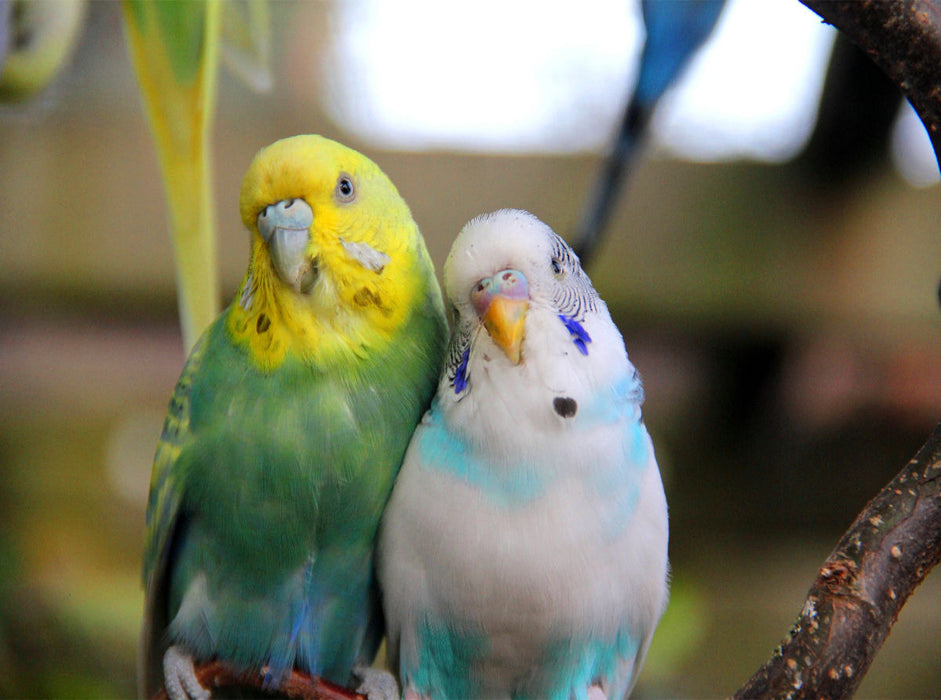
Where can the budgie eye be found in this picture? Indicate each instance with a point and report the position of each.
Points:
(556, 267)
(345, 191)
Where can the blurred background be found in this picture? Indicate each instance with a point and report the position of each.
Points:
(772, 260)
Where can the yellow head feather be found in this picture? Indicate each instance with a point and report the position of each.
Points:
(371, 264)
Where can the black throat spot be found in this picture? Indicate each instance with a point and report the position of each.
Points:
(565, 406)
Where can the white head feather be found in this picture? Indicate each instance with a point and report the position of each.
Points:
(555, 362)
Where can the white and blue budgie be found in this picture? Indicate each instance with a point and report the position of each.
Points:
(524, 550)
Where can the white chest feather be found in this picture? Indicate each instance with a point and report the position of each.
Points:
(532, 507)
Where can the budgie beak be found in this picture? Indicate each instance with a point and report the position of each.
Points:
(501, 302)
(285, 228)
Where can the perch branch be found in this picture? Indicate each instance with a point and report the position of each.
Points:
(298, 685)
(860, 589)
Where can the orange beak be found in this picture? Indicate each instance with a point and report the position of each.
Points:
(501, 302)
(505, 320)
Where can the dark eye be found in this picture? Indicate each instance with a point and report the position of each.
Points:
(345, 191)
(556, 266)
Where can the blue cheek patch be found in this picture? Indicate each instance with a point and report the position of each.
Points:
(460, 376)
(579, 336)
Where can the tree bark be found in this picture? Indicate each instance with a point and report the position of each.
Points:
(903, 37)
(860, 589)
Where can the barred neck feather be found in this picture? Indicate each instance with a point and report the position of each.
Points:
(350, 311)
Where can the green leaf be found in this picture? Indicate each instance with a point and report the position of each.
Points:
(182, 29)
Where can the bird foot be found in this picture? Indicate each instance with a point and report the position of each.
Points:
(595, 692)
(180, 676)
(376, 684)
(186, 680)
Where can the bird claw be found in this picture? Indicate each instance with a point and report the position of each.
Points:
(180, 676)
(376, 684)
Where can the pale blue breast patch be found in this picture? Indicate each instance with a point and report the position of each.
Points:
(445, 452)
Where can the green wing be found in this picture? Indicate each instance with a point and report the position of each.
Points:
(162, 510)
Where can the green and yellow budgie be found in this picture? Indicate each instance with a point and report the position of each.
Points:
(287, 428)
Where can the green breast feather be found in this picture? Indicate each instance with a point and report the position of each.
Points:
(266, 495)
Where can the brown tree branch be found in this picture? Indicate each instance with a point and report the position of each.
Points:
(903, 37)
(861, 588)
(298, 685)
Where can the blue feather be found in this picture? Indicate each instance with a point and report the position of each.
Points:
(460, 376)
(579, 335)
(675, 31)
(446, 654)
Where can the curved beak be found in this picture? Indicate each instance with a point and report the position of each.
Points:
(501, 302)
(285, 228)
